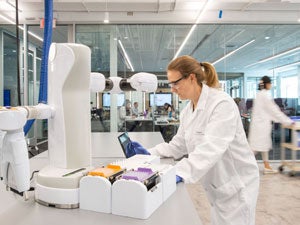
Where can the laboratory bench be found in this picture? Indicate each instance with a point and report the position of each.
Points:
(176, 210)
(293, 145)
(167, 127)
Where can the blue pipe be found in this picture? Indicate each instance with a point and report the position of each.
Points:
(43, 94)
(46, 46)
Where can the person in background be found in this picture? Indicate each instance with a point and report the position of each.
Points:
(240, 102)
(264, 111)
(135, 109)
(169, 109)
(211, 134)
(123, 111)
(242, 106)
(135, 113)
(128, 107)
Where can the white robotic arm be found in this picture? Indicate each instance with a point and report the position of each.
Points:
(14, 160)
(145, 82)
(40, 111)
(69, 138)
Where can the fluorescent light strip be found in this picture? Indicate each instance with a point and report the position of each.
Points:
(274, 56)
(192, 29)
(280, 54)
(232, 52)
(7, 19)
(21, 27)
(286, 66)
(12, 5)
(126, 56)
(252, 64)
(34, 35)
(185, 40)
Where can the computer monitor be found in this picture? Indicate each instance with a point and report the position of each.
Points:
(106, 99)
(159, 99)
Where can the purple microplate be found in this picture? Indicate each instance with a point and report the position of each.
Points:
(140, 174)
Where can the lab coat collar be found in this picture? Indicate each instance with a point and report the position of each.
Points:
(202, 99)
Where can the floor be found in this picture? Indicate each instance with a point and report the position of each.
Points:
(278, 201)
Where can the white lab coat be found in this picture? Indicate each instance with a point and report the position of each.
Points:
(218, 155)
(264, 112)
(135, 111)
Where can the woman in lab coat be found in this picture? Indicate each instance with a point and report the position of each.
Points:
(212, 136)
(124, 111)
(264, 112)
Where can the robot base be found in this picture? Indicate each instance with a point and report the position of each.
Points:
(57, 187)
(58, 198)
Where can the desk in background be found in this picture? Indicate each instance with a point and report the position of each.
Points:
(139, 124)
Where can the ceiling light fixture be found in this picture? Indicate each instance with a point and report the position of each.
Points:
(126, 56)
(106, 14)
(106, 17)
(232, 52)
(192, 29)
(21, 27)
(274, 56)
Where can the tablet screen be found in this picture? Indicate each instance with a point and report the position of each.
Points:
(124, 140)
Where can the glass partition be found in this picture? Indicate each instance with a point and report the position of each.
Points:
(9, 77)
(241, 53)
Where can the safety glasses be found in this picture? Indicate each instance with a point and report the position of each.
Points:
(174, 84)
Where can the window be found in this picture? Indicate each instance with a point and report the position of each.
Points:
(289, 87)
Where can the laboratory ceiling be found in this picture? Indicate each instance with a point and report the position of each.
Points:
(152, 31)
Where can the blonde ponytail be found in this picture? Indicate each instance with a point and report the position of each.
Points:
(210, 75)
(205, 72)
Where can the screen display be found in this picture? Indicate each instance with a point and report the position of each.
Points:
(106, 99)
(124, 141)
(159, 99)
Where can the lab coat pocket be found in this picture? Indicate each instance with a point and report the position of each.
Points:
(199, 132)
(198, 137)
(193, 138)
(230, 195)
